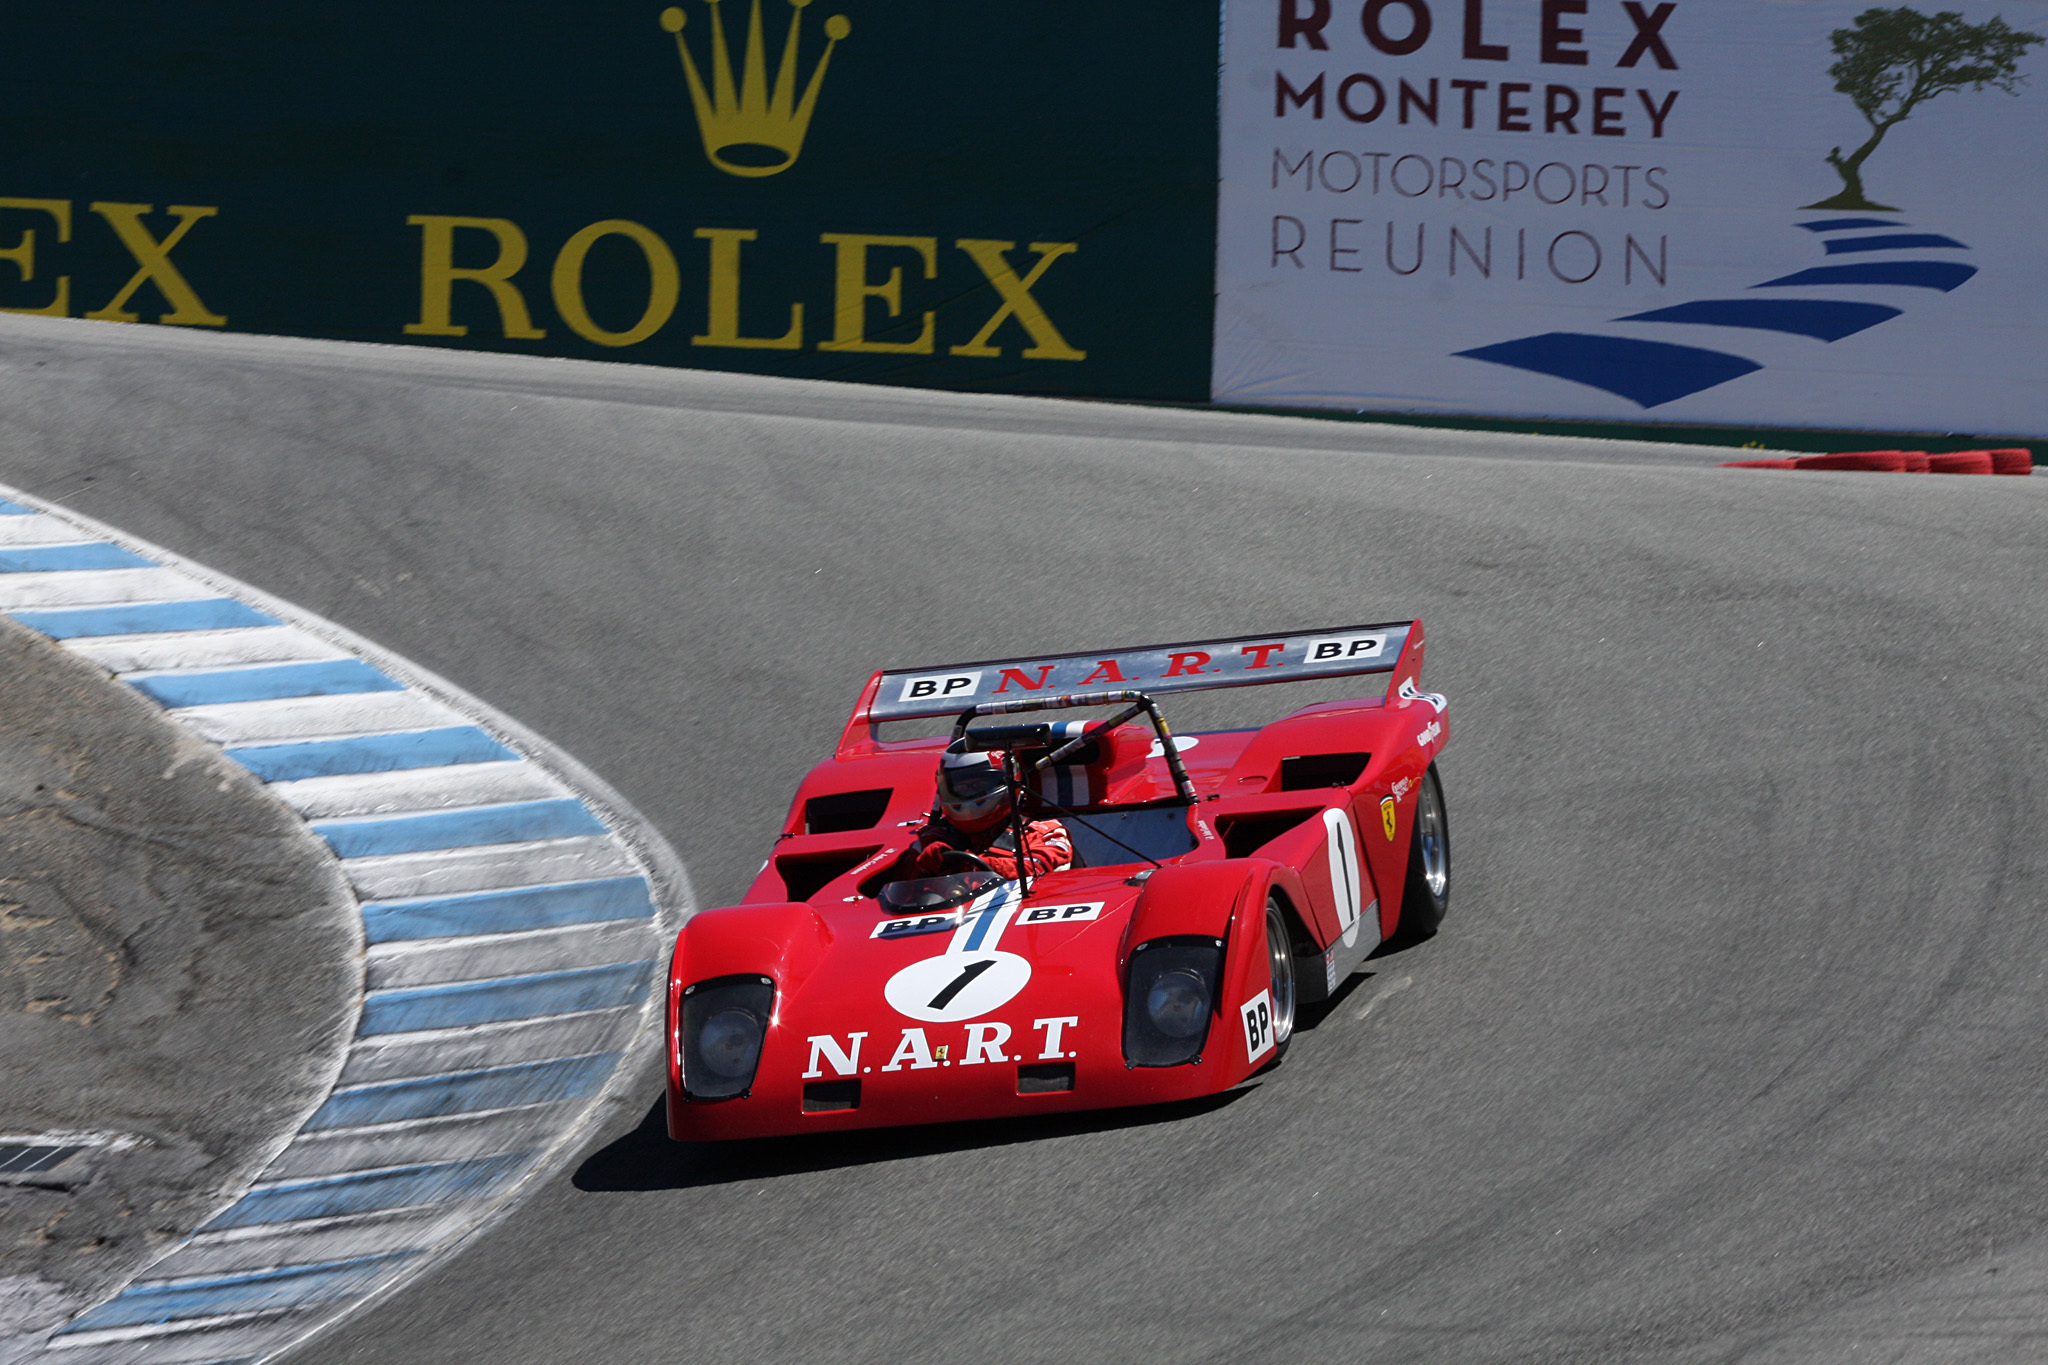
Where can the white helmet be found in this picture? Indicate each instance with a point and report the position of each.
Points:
(974, 792)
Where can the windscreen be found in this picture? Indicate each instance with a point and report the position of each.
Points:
(1110, 838)
(936, 893)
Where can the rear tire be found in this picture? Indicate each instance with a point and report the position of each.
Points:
(1427, 893)
(1280, 954)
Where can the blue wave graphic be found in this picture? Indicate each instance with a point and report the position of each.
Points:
(1652, 373)
(1827, 319)
(1839, 224)
(1644, 372)
(1942, 275)
(1896, 241)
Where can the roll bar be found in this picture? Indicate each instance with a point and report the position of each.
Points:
(1138, 703)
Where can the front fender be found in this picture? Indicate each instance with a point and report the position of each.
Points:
(1223, 900)
(1191, 898)
(1205, 898)
(785, 942)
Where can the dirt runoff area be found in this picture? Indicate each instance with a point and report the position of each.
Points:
(180, 967)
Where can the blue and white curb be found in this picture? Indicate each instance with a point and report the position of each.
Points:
(515, 911)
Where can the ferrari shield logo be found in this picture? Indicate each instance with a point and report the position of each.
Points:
(1387, 816)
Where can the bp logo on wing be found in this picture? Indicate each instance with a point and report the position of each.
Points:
(749, 128)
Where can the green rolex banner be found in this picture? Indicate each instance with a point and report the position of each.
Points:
(1002, 196)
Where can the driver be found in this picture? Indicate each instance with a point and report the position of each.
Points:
(975, 802)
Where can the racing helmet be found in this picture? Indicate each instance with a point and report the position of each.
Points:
(974, 793)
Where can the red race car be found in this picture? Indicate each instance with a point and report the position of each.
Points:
(1039, 914)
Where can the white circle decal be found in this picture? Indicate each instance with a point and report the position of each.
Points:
(955, 986)
(1344, 887)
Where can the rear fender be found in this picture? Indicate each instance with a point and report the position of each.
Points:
(1338, 882)
(1423, 723)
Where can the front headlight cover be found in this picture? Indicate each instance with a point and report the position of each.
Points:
(725, 1022)
(1170, 999)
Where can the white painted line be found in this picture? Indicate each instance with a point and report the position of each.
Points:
(467, 784)
(308, 650)
(40, 529)
(97, 588)
(207, 1333)
(338, 1239)
(438, 961)
(430, 1052)
(182, 668)
(203, 648)
(217, 1237)
(494, 868)
(301, 718)
(456, 1136)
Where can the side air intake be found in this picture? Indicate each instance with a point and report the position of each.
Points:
(842, 811)
(1309, 771)
(1244, 835)
(806, 877)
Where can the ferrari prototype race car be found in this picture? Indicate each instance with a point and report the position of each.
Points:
(1211, 885)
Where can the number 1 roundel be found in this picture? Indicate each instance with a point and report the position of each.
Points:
(955, 986)
(1344, 877)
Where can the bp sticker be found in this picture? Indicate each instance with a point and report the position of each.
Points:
(1257, 1014)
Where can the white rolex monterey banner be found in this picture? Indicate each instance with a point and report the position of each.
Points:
(1756, 212)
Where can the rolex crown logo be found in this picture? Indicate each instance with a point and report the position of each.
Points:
(750, 130)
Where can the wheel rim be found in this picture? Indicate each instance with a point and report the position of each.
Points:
(1432, 841)
(1281, 951)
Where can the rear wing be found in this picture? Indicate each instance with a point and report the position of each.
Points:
(1243, 661)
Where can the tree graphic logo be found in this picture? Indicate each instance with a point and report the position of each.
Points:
(1892, 61)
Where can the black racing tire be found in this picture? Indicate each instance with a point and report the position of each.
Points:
(1281, 988)
(1427, 892)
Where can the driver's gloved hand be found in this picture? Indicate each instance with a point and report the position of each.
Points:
(930, 857)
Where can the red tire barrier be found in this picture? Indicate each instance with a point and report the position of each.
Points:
(1960, 462)
(2012, 461)
(1875, 461)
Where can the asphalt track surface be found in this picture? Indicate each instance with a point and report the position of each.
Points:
(1730, 1050)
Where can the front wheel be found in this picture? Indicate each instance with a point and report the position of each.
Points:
(1427, 892)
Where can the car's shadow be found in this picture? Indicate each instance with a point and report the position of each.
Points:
(648, 1159)
(1308, 1016)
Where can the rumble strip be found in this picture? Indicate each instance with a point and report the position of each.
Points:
(515, 911)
